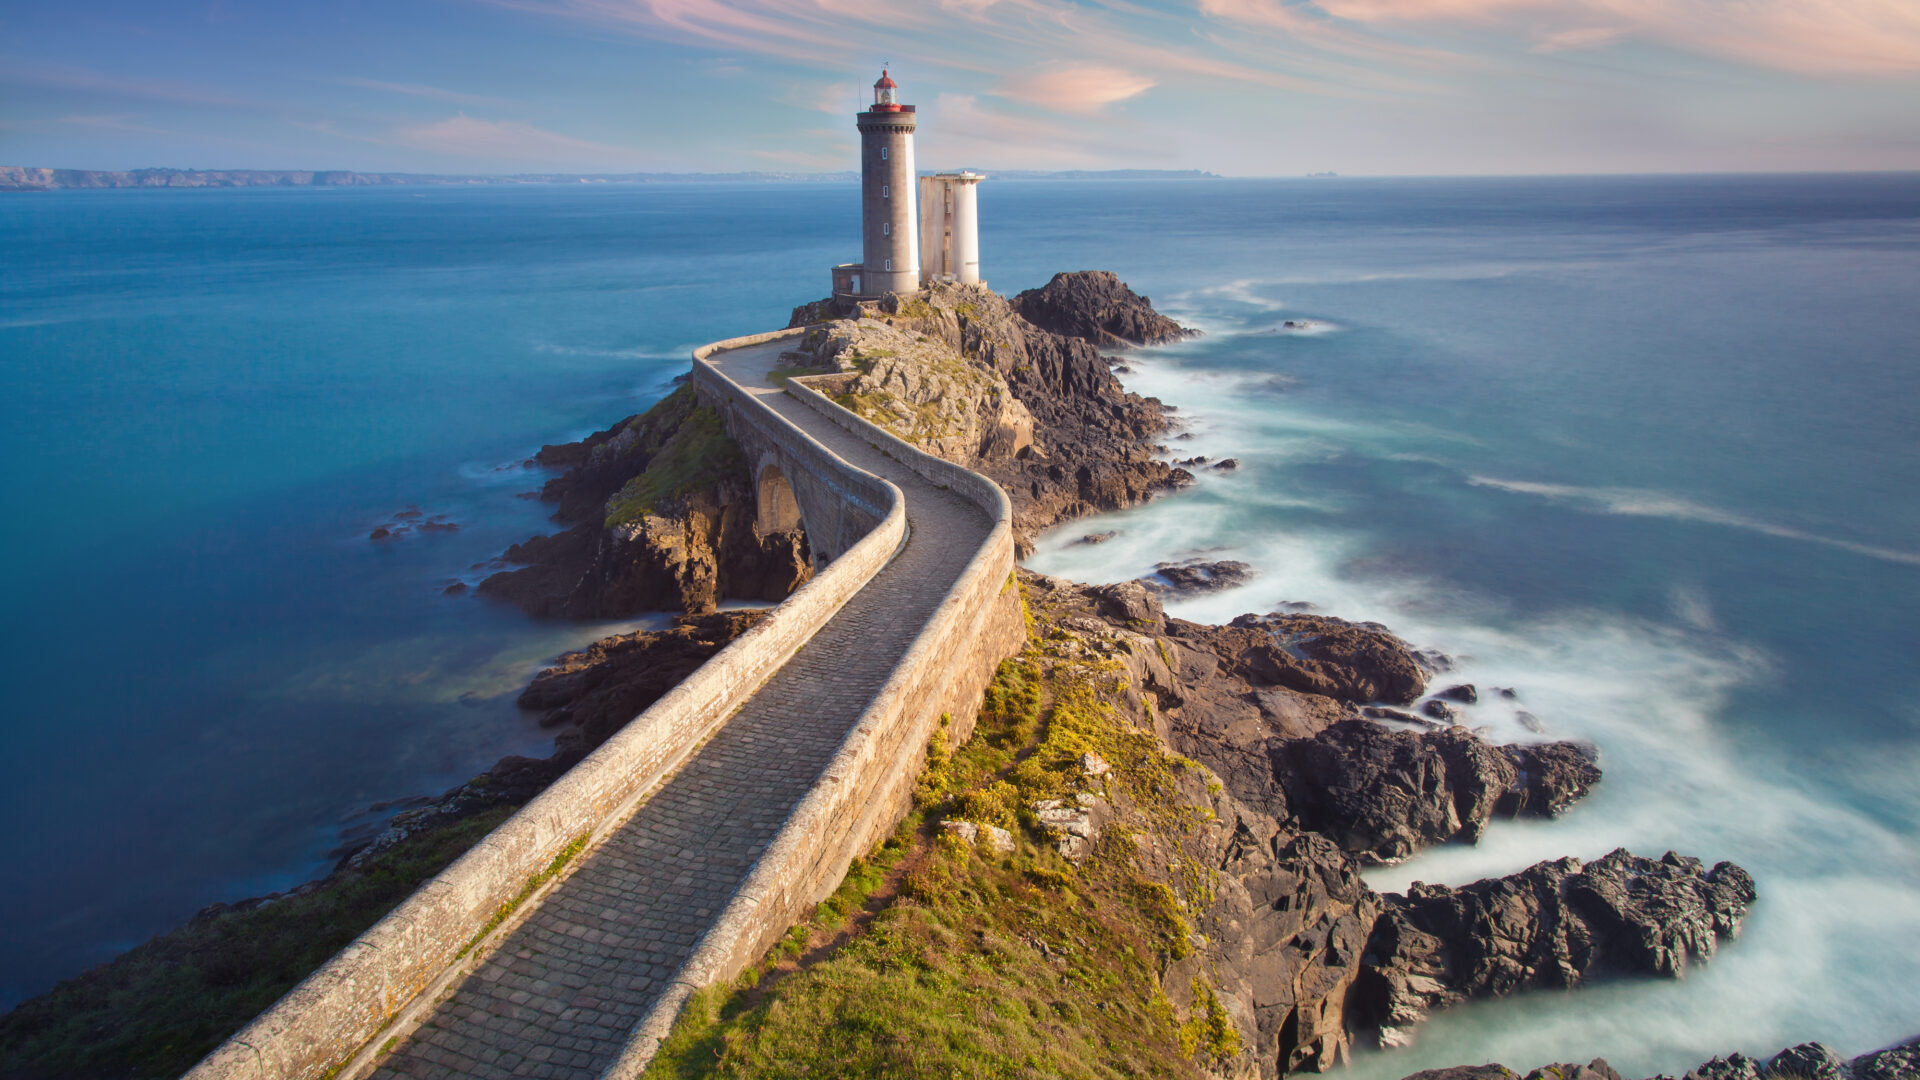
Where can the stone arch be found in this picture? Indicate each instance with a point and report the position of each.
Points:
(776, 508)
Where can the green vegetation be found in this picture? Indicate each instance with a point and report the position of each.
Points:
(500, 915)
(936, 959)
(698, 453)
(779, 376)
(163, 1005)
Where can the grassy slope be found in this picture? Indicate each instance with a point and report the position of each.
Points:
(936, 960)
(698, 454)
(160, 1007)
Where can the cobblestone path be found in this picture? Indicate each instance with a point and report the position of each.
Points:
(560, 995)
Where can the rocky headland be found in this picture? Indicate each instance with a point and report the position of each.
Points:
(1208, 796)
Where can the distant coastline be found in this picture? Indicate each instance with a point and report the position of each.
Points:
(25, 178)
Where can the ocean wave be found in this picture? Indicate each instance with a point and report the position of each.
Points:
(1634, 502)
(1840, 888)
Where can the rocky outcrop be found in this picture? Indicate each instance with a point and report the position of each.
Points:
(591, 693)
(665, 518)
(1192, 576)
(1298, 794)
(1549, 926)
(1383, 795)
(1096, 306)
(1808, 1061)
(960, 372)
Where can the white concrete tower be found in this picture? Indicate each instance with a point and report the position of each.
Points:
(950, 228)
(890, 225)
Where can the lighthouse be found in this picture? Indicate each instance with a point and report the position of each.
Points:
(889, 220)
(915, 231)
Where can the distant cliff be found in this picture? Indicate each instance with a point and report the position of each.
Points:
(23, 178)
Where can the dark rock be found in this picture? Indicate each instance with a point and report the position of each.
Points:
(598, 689)
(1808, 1061)
(1506, 692)
(1597, 1069)
(1731, 1067)
(1131, 604)
(1552, 777)
(1096, 306)
(1383, 795)
(380, 533)
(1549, 926)
(1226, 464)
(455, 589)
(1381, 712)
(1900, 1062)
(1464, 693)
(1197, 576)
(1098, 538)
(1466, 1072)
(1439, 710)
(1316, 654)
(1529, 721)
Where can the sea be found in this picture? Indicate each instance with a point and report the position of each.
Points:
(1644, 450)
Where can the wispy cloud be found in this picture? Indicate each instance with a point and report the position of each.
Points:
(1580, 37)
(1078, 88)
(1812, 37)
(18, 72)
(431, 93)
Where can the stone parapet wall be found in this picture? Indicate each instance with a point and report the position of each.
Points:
(868, 787)
(444, 929)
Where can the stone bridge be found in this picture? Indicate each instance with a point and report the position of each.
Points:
(675, 855)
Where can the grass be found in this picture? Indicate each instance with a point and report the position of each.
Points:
(779, 376)
(697, 454)
(934, 959)
(506, 910)
(161, 1006)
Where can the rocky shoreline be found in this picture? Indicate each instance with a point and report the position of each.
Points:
(1306, 765)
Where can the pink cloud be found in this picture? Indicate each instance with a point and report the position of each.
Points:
(1812, 37)
(1079, 88)
(432, 93)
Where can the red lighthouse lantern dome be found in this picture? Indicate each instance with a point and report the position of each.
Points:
(886, 92)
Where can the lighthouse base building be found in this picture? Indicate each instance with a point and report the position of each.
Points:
(915, 230)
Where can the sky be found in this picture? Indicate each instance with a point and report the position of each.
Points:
(1239, 87)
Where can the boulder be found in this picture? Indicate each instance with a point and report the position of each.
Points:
(1549, 926)
(1096, 306)
(1195, 576)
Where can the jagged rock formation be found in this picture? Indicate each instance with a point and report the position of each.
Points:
(1548, 926)
(663, 518)
(1096, 306)
(1302, 954)
(1383, 795)
(1807, 1061)
(961, 372)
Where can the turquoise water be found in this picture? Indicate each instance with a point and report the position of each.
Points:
(1642, 449)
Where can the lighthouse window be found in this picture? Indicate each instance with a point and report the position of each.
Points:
(884, 189)
(883, 153)
(886, 228)
(889, 264)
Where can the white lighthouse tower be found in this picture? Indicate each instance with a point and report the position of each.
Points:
(950, 228)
